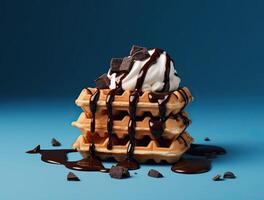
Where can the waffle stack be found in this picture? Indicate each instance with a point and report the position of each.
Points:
(169, 147)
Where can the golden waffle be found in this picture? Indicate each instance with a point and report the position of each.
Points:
(173, 127)
(149, 150)
(176, 102)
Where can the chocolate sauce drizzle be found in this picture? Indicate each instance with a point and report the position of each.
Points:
(166, 81)
(157, 126)
(109, 100)
(93, 105)
(91, 162)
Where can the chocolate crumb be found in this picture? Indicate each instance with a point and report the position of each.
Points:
(229, 175)
(135, 48)
(135, 173)
(55, 142)
(102, 82)
(118, 172)
(72, 177)
(35, 150)
(217, 178)
(115, 64)
(207, 139)
(126, 64)
(154, 173)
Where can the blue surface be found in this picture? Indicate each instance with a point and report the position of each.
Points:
(233, 124)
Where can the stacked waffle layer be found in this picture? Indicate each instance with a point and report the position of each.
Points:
(169, 147)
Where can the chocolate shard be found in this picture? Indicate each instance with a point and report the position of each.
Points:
(35, 150)
(55, 142)
(118, 172)
(135, 48)
(102, 82)
(229, 175)
(72, 177)
(126, 64)
(115, 64)
(217, 178)
(141, 55)
(154, 173)
(207, 139)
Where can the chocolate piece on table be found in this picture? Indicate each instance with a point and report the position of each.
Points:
(55, 142)
(154, 173)
(126, 64)
(135, 48)
(35, 150)
(115, 64)
(102, 82)
(141, 55)
(119, 172)
(229, 175)
(72, 177)
(206, 139)
(217, 178)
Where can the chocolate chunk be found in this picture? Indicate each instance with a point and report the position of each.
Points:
(135, 48)
(102, 82)
(35, 150)
(115, 64)
(119, 172)
(126, 64)
(217, 178)
(207, 139)
(55, 142)
(141, 55)
(154, 173)
(72, 177)
(229, 175)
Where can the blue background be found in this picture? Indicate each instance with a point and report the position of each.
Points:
(50, 50)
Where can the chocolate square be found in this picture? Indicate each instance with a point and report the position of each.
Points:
(55, 142)
(135, 48)
(115, 64)
(141, 55)
(126, 64)
(118, 172)
(102, 82)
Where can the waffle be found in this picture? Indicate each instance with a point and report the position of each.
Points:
(175, 104)
(174, 127)
(169, 147)
(150, 150)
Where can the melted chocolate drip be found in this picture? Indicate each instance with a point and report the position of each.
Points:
(157, 126)
(59, 157)
(166, 81)
(133, 100)
(109, 100)
(205, 150)
(145, 68)
(93, 105)
(185, 97)
(191, 166)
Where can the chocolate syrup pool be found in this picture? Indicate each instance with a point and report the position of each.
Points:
(60, 157)
(194, 162)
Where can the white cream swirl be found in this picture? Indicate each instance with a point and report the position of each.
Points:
(154, 79)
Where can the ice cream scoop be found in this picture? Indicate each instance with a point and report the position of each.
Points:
(144, 69)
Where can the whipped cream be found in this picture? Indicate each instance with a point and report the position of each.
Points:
(154, 79)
